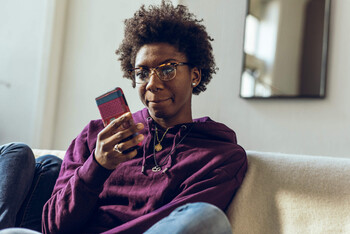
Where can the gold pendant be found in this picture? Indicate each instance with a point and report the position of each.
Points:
(158, 147)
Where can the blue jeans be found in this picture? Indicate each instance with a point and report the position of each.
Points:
(199, 217)
(26, 184)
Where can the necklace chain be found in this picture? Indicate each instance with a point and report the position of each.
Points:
(157, 166)
(159, 147)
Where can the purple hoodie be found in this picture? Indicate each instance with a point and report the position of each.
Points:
(201, 162)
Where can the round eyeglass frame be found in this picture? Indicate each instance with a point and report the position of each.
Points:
(155, 70)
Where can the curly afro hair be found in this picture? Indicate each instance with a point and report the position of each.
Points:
(175, 26)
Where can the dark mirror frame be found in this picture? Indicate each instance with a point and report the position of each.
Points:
(311, 71)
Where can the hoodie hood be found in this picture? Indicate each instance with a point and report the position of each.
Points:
(194, 134)
(203, 126)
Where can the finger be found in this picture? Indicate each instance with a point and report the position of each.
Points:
(127, 156)
(131, 155)
(125, 134)
(126, 145)
(113, 126)
(127, 124)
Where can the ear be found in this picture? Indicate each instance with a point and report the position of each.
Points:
(196, 76)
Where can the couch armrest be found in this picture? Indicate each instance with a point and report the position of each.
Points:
(285, 193)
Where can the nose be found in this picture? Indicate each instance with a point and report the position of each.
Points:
(154, 83)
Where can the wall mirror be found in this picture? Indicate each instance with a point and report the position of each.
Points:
(285, 48)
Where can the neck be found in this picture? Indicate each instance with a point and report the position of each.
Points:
(164, 123)
(170, 122)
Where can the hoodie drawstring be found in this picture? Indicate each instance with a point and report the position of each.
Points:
(149, 138)
(171, 154)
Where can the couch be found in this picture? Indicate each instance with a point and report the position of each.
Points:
(286, 193)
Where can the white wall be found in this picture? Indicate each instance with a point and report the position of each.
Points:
(90, 67)
(21, 36)
(93, 31)
(31, 39)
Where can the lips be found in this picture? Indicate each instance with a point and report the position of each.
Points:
(159, 100)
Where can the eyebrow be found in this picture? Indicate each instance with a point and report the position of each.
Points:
(163, 62)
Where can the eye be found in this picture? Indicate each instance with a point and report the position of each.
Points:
(141, 74)
(166, 70)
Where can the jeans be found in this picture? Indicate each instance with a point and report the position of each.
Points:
(26, 184)
(199, 217)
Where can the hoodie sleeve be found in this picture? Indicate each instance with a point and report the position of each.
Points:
(77, 188)
(217, 187)
(218, 184)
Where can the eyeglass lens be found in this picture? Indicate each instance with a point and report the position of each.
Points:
(165, 73)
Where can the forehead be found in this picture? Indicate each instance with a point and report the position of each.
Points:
(152, 55)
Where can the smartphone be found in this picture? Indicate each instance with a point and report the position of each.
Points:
(112, 105)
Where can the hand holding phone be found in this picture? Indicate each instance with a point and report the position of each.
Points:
(120, 130)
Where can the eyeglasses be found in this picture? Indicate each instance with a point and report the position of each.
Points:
(165, 72)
